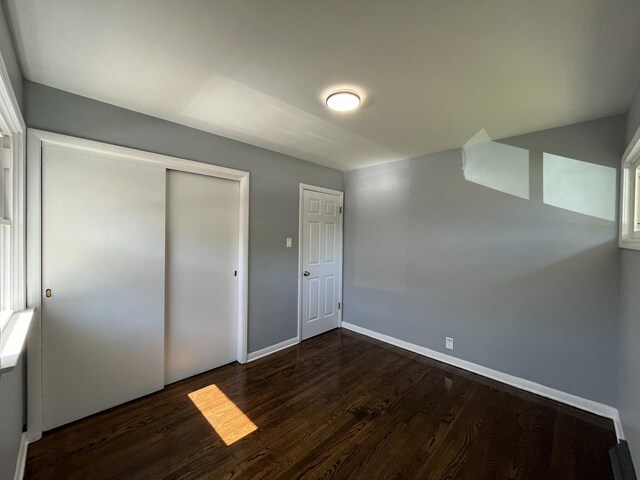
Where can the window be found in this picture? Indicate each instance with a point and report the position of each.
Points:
(630, 197)
(14, 318)
(6, 204)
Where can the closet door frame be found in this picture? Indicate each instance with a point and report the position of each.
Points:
(37, 140)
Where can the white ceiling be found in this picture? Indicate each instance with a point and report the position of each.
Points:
(433, 72)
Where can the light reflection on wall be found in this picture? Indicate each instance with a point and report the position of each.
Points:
(579, 186)
(497, 166)
(237, 111)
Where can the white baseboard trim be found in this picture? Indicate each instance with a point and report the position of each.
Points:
(272, 349)
(22, 458)
(618, 424)
(532, 387)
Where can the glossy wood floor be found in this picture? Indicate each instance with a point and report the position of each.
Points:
(337, 406)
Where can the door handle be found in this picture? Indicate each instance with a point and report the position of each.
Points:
(306, 274)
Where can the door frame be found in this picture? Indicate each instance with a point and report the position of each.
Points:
(314, 188)
(36, 140)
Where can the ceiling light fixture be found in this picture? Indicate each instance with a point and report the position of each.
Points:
(343, 101)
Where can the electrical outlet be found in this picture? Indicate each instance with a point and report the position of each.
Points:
(289, 242)
(449, 343)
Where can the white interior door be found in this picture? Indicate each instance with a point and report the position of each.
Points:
(103, 223)
(202, 260)
(321, 262)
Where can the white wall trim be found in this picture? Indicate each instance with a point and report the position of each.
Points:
(12, 123)
(527, 385)
(37, 139)
(22, 458)
(633, 148)
(34, 288)
(617, 423)
(315, 188)
(272, 349)
(140, 156)
(303, 187)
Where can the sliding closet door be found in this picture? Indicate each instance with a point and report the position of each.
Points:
(202, 259)
(103, 224)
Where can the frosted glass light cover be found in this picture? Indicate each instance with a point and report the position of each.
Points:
(343, 101)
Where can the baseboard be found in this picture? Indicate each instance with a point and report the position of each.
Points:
(22, 458)
(532, 387)
(618, 424)
(272, 349)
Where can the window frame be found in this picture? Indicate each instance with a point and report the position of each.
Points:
(629, 236)
(6, 230)
(15, 320)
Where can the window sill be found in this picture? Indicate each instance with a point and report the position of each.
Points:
(13, 339)
(630, 244)
(5, 315)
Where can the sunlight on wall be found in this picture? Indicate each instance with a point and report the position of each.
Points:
(238, 111)
(229, 422)
(579, 186)
(11, 341)
(496, 166)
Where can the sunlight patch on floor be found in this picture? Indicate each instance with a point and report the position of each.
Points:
(229, 422)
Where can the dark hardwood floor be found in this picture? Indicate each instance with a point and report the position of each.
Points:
(337, 406)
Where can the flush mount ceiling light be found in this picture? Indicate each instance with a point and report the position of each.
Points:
(343, 101)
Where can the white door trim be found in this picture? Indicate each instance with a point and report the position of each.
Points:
(313, 188)
(36, 139)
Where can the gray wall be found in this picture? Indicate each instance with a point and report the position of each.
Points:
(9, 56)
(273, 216)
(633, 116)
(629, 374)
(12, 401)
(12, 396)
(524, 288)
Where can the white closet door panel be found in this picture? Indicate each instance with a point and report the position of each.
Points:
(202, 290)
(103, 222)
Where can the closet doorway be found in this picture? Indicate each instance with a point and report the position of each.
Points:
(138, 269)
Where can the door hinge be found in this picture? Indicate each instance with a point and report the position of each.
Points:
(340, 210)
(339, 305)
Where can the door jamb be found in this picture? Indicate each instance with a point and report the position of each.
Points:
(303, 187)
(36, 139)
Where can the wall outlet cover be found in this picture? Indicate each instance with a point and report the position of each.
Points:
(449, 343)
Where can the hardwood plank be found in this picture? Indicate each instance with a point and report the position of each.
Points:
(336, 406)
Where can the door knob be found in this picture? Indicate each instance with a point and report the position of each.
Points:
(306, 274)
